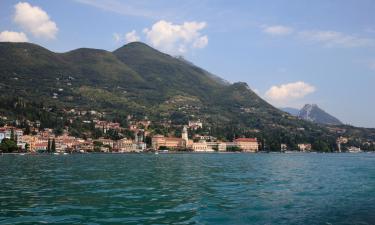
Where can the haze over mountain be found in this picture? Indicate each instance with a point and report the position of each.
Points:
(290, 110)
(139, 80)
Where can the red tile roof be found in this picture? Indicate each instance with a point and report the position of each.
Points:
(246, 140)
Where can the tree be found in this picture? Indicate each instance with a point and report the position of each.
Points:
(233, 149)
(163, 148)
(12, 136)
(27, 129)
(49, 145)
(8, 145)
(113, 134)
(53, 145)
(58, 131)
(148, 141)
(97, 133)
(97, 145)
(321, 146)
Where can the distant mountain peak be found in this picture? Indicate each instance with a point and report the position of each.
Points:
(313, 113)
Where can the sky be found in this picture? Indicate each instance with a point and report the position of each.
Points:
(290, 52)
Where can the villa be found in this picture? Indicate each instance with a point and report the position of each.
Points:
(247, 144)
(168, 142)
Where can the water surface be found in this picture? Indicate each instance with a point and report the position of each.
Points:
(188, 189)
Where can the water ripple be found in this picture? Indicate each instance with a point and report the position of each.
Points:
(188, 189)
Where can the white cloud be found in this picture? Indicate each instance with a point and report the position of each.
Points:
(35, 20)
(10, 36)
(278, 30)
(336, 39)
(286, 93)
(176, 38)
(132, 36)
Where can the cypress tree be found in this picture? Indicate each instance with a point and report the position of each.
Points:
(12, 135)
(53, 145)
(49, 145)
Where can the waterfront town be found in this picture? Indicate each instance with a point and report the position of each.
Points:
(35, 139)
(46, 141)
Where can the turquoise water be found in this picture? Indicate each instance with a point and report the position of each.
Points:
(188, 189)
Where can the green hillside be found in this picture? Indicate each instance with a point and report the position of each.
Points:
(139, 80)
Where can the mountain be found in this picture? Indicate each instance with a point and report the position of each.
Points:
(213, 76)
(291, 111)
(38, 84)
(312, 112)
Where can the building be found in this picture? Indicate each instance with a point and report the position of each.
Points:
(106, 126)
(86, 146)
(353, 149)
(340, 141)
(31, 141)
(125, 145)
(167, 142)
(185, 135)
(201, 146)
(304, 147)
(222, 147)
(42, 146)
(6, 132)
(195, 124)
(205, 137)
(139, 136)
(247, 144)
(3, 134)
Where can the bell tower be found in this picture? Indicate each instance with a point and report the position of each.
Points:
(184, 135)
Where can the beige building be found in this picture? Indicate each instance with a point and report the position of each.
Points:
(247, 144)
(222, 147)
(169, 142)
(125, 145)
(195, 124)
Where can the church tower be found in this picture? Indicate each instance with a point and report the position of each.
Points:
(184, 135)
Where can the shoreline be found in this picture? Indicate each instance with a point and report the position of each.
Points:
(176, 152)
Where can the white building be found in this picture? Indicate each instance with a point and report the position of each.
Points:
(201, 146)
(185, 135)
(195, 124)
(353, 149)
(6, 132)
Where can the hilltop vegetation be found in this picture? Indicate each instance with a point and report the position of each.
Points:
(141, 81)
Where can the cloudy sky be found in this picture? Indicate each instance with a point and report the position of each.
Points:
(291, 52)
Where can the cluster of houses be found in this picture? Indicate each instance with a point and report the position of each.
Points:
(40, 140)
(65, 143)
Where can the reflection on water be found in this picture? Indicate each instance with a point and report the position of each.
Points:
(188, 189)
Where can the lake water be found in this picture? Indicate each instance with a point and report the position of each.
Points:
(188, 189)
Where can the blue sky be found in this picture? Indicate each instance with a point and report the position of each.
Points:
(291, 52)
